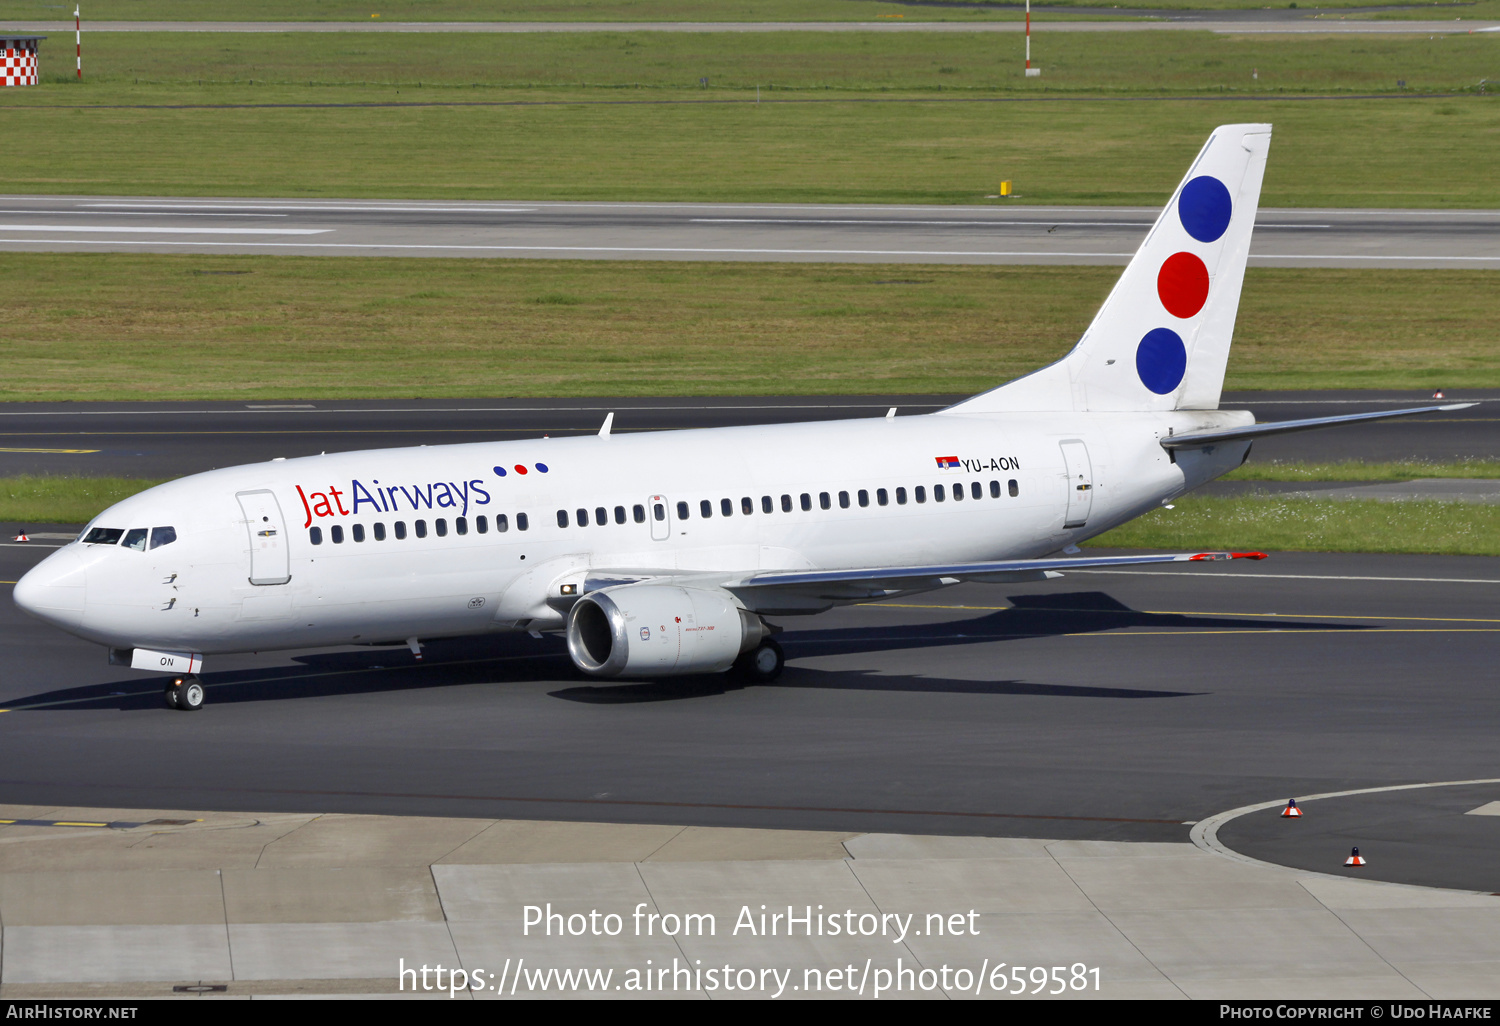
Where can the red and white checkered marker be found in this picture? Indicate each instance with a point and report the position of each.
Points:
(17, 62)
(1439, 394)
(1354, 859)
(1291, 811)
(22, 536)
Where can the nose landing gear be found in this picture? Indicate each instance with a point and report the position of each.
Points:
(185, 693)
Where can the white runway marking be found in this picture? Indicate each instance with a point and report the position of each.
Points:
(987, 224)
(44, 212)
(144, 230)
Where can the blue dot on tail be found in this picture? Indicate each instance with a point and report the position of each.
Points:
(1204, 208)
(1161, 360)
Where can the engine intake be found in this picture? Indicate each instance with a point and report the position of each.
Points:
(659, 630)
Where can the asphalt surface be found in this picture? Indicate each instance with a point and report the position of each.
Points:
(1118, 705)
(1332, 20)
(686, 231)
(172, 439)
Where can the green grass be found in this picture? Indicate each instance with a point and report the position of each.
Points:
(628, 10)
(144, 326)
(148, 326)
(1358, 470)
(858, 117)
(1442, 528)
(63, 500)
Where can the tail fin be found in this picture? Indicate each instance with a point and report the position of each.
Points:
(1161, 339)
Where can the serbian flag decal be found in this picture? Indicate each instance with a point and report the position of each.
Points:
(947, 462)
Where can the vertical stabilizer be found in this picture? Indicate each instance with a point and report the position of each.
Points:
(1161, 339)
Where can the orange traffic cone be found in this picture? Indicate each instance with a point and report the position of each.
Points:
(1354, 859)
(22, 536)
(1291, 811)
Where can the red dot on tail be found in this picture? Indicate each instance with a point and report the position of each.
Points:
(1182, 284)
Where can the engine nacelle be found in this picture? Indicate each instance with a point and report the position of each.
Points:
(657, 630)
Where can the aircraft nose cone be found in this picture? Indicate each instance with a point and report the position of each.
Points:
(53, 589)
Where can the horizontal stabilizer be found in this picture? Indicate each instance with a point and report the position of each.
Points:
(1281, 427)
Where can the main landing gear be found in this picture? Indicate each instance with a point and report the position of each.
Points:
(185, 693)
(761, 665)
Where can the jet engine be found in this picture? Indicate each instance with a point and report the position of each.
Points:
(658, 630)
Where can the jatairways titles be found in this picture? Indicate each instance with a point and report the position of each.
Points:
(387, 498)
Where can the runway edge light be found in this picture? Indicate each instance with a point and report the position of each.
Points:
(1354, 859)
(1291, 811)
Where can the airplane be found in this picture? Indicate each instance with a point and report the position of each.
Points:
(662, 553)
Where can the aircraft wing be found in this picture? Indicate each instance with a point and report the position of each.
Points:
(1281, 427)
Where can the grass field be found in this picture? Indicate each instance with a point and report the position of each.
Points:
(1444, 528)
(629, 10)
(1355, 470)
(38, 499)
(140, 326)
(851, 118)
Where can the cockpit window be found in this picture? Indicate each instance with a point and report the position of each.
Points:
(135, 538)
(162, 536)
(103, 536)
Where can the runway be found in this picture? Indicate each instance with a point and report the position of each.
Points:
(1118, 705)
(172, 439)
(685, 231)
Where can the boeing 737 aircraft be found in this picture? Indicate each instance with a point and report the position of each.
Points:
(664, 553)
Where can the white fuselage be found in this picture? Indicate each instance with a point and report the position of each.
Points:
(224, 584)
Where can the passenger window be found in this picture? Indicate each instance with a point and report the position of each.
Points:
(976, 490)
(919, 493)
(864, 498)
(460, 525)
(659, 511)
(682, 511)
(421, 526)
(766, 505)
(806, 502)
(824, 501)
(315, 535)
(583, 518)
(939, 494)
(162, 536)
(336, 534)
(442, 527)
(358, 531)
(901, 496)
(958, 493)
(523, 522)
(401, 530)
(562, 518)
(747, 505)
(103, 536)
(601, 516)
(706, 508)
(786, 504)
(380, 532)
(135, 538)
(844, 500)
(482, 524)
(620, 514)
(638, 513)
(502, 522)
(726, 508)
(994, 489)
(1015, 488)
(882, 496)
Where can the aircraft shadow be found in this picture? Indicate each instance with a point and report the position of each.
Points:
(506, 658)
